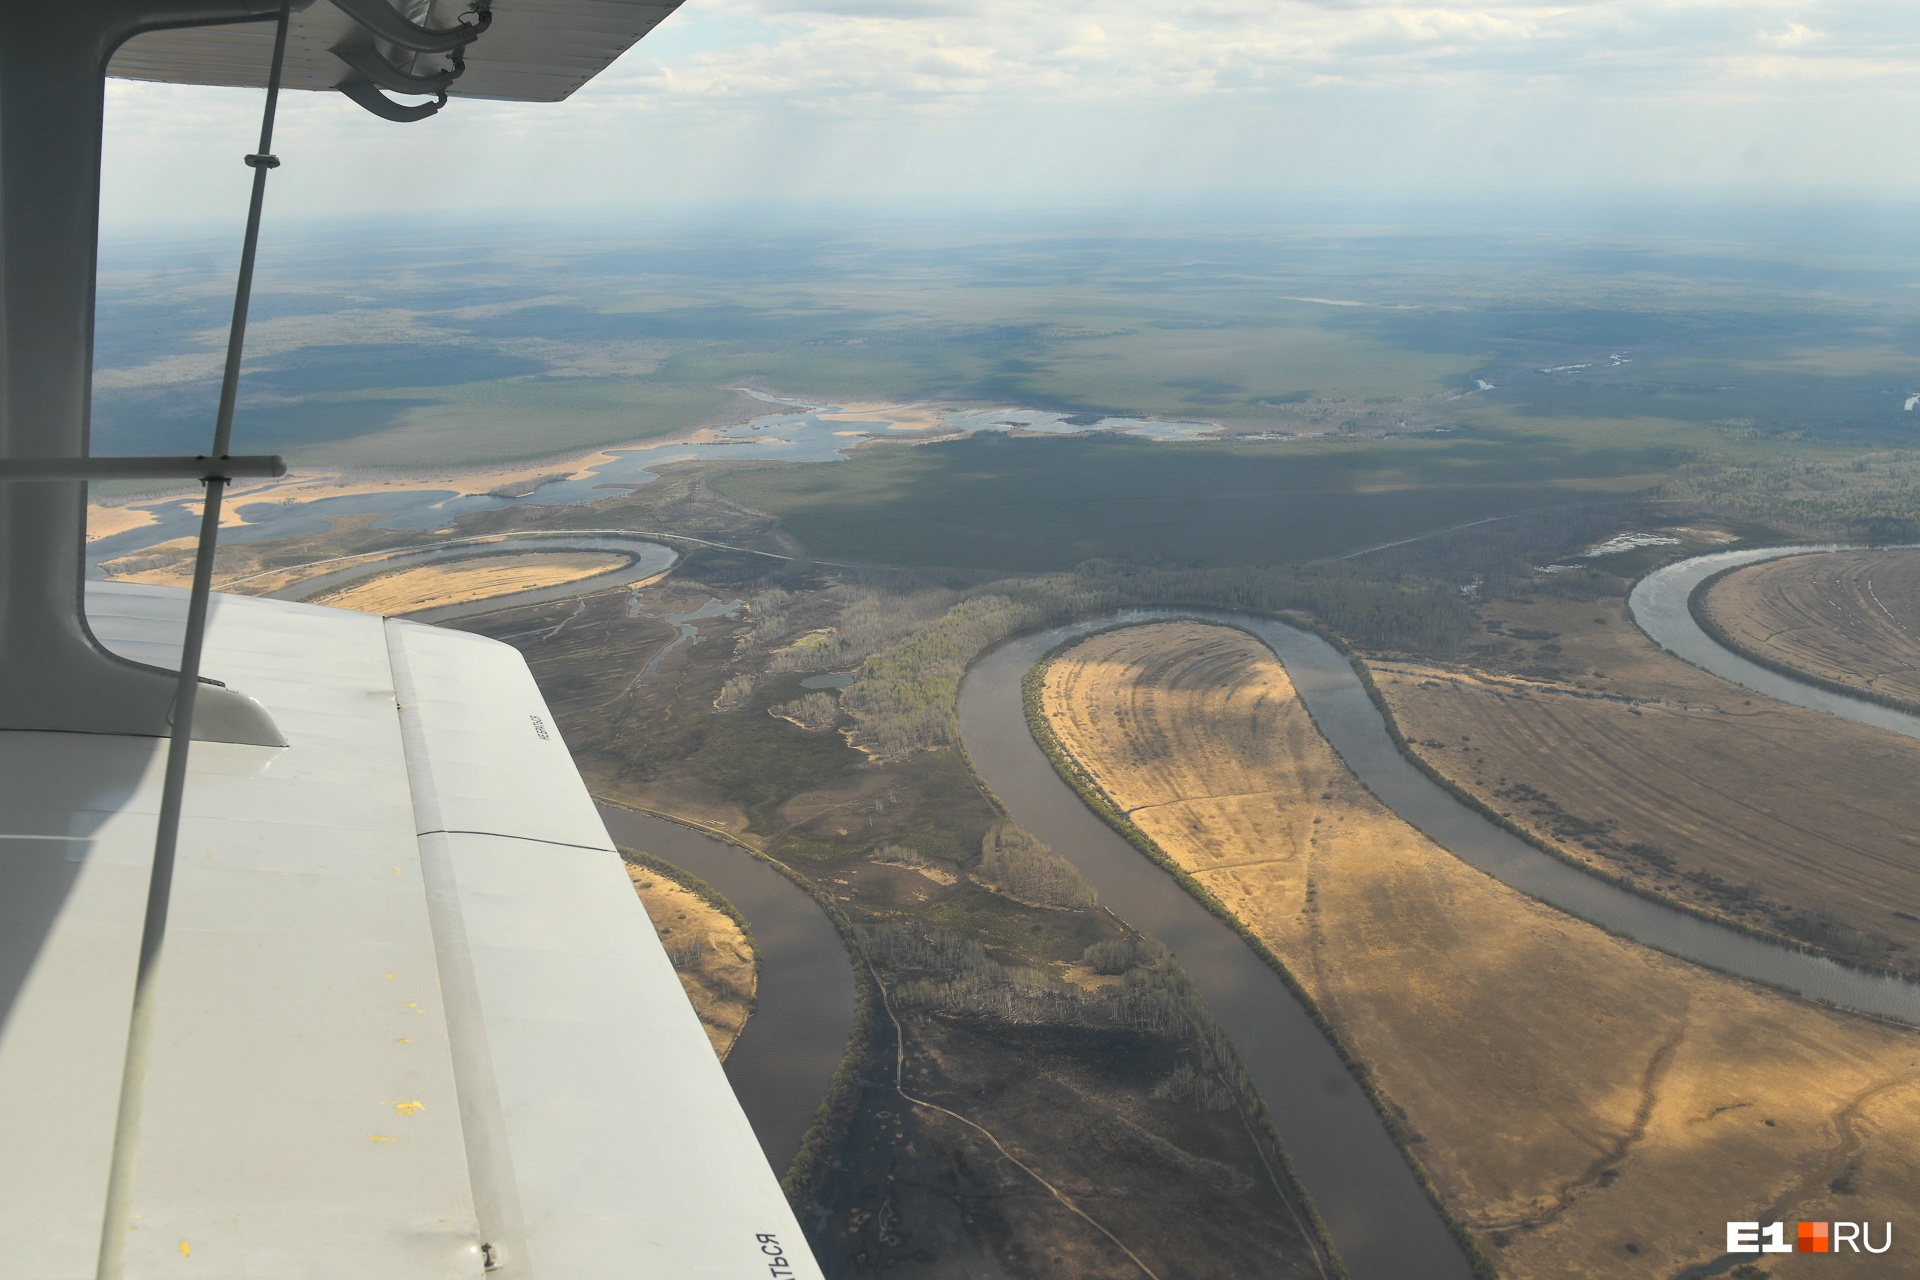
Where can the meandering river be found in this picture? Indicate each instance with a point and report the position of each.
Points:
(1659, 604)
(784, 1060)
(1381, 1221)
(648, 559)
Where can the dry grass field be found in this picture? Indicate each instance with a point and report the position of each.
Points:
(431, 585)
(1852, 617)
(1590, 1108)
(1573, 724)
(709, 952)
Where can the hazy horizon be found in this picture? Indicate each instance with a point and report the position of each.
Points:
(984, 104)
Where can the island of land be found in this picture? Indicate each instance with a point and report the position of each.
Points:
(428, 586)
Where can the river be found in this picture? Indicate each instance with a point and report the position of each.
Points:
(1380, 1222)
(1659, 604)
(784, 1060)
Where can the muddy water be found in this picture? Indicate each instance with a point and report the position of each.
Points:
(782, 1063)
(1381, 1222)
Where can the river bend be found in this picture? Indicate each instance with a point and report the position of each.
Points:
(1659, 605)
(786, 1056)
(1380, 1221)
(647, 559)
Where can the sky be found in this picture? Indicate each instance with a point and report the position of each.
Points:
(766, 106)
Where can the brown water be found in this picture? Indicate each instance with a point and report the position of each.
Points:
(782, 1063)
(1382, 1224)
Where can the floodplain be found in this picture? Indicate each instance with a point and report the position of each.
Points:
(1426, 439)
(1588, 1107)
(1035, 1090)
(1562, 718)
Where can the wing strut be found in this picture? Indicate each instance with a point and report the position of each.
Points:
(117, 1222)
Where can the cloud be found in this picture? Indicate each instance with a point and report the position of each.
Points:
(833, 55)
(760, 100)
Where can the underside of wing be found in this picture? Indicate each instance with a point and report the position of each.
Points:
(530, 50)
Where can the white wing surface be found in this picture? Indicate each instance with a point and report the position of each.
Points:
(412, 1019)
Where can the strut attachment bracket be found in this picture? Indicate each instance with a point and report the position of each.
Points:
(386, 23)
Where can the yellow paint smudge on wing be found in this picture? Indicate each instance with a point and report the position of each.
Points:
(409, 1108)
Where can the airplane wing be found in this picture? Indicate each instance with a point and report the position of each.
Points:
(413, 1020)
(410, 1019)
(531, 51)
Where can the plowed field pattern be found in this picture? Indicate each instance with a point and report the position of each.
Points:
(1850, 616)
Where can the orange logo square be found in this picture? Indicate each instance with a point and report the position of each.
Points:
(1813, 1237)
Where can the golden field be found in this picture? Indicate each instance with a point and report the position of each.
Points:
(1852, 617)
(431, 585)
(709, 952)
(1587, 1107)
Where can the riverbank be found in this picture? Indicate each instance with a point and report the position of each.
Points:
(1850, 651)
(1549, 1073)
(1380, 1219)
(1114, 1112)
